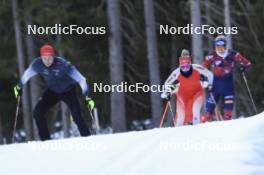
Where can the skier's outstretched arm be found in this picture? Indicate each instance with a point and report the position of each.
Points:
(205, 72)
(78, 77)
(171, 84)
(207, 61)
(245, 64)
(173, 77)
(29, 73)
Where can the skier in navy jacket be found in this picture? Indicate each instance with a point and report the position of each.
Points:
(61, 77)
(221, 62)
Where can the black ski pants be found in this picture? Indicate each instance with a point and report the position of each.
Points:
(49, 99)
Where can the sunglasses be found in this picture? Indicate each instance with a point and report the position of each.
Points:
(220, 48)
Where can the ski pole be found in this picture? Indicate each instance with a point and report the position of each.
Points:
(96, 118)
(93, 121)
(172, 115)
(16, 117)
(164, 114)
(217, 112)
(249, 92)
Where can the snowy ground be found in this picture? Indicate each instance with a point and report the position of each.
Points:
(219, 148)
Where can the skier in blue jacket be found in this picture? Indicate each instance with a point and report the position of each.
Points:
(222, 62)
(61, 77)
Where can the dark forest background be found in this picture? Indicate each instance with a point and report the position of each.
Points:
(132, 50)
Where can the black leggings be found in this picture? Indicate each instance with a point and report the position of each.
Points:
(49, 99)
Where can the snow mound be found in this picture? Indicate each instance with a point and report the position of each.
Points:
(229, 147)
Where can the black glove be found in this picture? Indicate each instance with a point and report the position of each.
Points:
(243, 69)
(166, 96)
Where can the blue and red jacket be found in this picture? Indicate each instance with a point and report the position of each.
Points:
(223, 68)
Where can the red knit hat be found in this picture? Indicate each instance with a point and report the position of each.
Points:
(47, 50)
(185, 58)
(185, 61)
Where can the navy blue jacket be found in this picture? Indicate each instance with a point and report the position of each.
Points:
(61, 76)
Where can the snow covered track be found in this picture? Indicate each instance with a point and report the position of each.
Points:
(231, 148)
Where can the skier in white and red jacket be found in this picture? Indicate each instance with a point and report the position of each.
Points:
(188, 83)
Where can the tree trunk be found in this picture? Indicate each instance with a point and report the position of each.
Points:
(229, 45)
(208, 19)
(116, 66)
(197, 40)
(174, 58)
(173, 66)
(227, 22)
(21, 66)
(65, 118)
(153, 62)
(34, 82)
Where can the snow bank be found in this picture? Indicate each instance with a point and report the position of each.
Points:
(230, 147)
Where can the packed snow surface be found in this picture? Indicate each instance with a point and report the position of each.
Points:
(217, 148)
